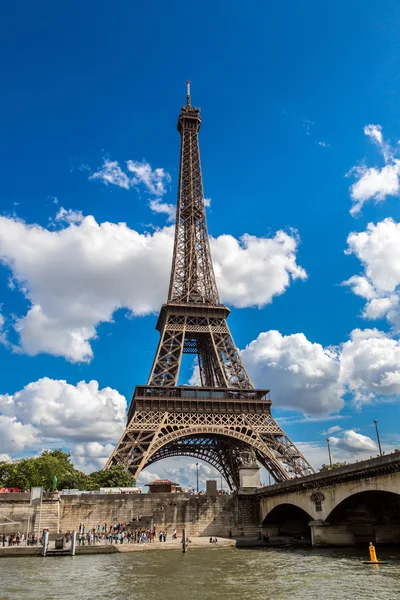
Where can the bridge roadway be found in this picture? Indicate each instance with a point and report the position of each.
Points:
(356, 503)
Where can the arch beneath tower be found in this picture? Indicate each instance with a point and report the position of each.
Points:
(219, 446)
(220, 452)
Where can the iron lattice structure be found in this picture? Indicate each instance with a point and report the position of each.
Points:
(225, 415)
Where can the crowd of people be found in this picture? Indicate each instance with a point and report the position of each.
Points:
(118, 533)
(115, 533)
(18, 539)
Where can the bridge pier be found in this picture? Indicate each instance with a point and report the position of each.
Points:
(325, 534)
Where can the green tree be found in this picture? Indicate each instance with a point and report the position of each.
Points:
(334, 466)
(115, 477)
(26, 473)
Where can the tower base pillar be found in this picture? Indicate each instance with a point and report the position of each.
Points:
(249, 477)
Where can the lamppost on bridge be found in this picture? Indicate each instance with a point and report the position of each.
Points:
(197, 473)
(329, 452)
(377, 435)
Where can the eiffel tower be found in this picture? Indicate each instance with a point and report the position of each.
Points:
(225, 417)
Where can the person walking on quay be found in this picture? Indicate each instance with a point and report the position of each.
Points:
(160, 537)
(165, 535)
(174, 534)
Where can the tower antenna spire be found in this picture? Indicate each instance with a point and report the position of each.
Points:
(188, 93)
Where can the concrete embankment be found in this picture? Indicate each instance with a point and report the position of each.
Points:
(201, 515)
(199, 542)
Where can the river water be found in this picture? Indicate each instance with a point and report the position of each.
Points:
(232, 573)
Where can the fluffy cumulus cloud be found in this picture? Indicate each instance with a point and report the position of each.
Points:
(77, 276)
(375, 183)
(307, 377)
(251, 271)
(60, 410)
(148, 476)
(302, 375)
(91, 456)
(140, 176)
(370, 365)
(14, 435)
(48, 412)
(350, 446)
(354, 442)
(378, 249)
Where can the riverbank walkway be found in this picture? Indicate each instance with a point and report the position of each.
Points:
(196, 542)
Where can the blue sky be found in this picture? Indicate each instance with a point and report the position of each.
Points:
(287, 92)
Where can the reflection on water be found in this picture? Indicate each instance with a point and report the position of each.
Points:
(232, 574)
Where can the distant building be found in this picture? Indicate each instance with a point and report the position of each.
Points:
(163, 486)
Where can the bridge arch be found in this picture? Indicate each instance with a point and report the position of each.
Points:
(300, 501)
(343, 492)
(287, 519)
(369, 515)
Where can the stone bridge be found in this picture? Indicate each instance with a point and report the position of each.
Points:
(344, 506)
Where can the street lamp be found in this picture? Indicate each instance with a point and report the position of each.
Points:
(329, 451)
(197, 472)
(377, 435)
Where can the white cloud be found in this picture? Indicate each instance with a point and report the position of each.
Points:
(373, 182)
(3, 333)
(69, 216)
(333, 429)
(91, 456)
(15, 436)
(112, 173)
(378, 249)
(302, 375)
(354, 442)
(5, 458)
(323, 144)
(307, 377)
(185, 473)
(162, 207)
(54, 409)
(154, 181)
(52, 413)
(343, 449)
(147, 477)
(375, 133)
(251, 271)
(77, 277)
(307, 124)
(370, 365)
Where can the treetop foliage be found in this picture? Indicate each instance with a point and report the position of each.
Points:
(26, 473)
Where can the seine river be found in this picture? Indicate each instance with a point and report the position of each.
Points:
(230, 573)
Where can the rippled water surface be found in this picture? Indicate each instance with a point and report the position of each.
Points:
(231, 573)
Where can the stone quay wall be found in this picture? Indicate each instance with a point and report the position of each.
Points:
(200, 515)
